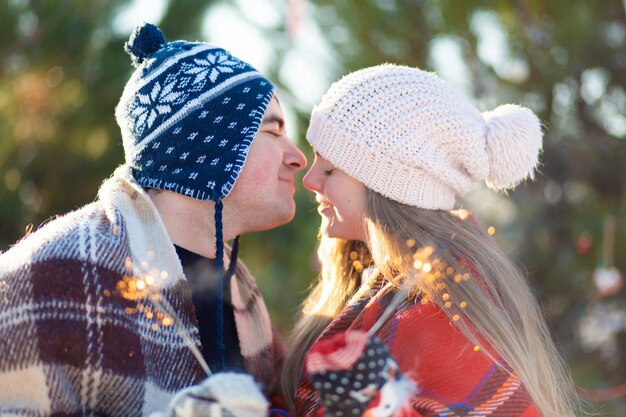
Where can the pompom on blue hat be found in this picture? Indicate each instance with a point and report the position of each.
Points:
(145, 40)
(188, 116)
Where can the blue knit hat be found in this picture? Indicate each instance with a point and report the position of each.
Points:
(188, 116)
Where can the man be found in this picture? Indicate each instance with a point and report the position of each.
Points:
(102, 310)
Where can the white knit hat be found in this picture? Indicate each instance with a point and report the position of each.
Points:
(408, 135)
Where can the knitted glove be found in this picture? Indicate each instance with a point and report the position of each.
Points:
(355, 375)
(225, 394)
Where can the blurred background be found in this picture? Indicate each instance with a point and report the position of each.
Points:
(63, 68)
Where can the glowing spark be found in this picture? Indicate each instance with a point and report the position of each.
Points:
(463, 304)
(491, 230)
(129, 289)
(427, 267)
(134, 288)
(448, 304)
(354, 256)
(358, 266)
(458, 278)
(410, 243)
(418, 264)
(456, 317)
(445, 297)
(476, 348)
(428, 251)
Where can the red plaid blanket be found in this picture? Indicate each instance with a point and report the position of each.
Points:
(453, 378)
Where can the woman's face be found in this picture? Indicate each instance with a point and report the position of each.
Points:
(341, 199)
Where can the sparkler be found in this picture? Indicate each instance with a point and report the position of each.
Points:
(432, 272)
(144, 285)
(421, 265)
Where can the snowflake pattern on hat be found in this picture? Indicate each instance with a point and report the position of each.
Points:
(188, 115)
(355, 375)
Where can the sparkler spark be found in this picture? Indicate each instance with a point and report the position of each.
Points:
(432, 272)
(135, 286)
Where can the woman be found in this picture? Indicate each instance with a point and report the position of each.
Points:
(394, 148)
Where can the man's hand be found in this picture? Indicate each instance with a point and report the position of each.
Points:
(220, 395)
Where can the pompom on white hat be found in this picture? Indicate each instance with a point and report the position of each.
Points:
(409, 136)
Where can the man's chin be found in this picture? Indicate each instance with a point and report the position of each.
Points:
(280, 219)
(287, 216)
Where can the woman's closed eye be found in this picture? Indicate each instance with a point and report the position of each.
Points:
(327, 167)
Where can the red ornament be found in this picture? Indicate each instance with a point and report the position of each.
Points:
(584, 244)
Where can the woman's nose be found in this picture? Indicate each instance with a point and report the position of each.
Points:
(311, 181)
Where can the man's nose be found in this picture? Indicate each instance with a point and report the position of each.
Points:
(294, 157)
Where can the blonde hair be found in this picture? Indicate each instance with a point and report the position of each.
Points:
(518, 333)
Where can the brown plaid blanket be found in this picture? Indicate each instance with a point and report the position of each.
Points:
(79, 331)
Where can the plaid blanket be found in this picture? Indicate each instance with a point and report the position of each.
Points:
(80, 333)
(453, 378)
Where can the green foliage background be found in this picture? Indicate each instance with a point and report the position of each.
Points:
(63, 68)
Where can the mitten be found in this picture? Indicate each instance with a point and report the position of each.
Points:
(355, 375)
(220, 395)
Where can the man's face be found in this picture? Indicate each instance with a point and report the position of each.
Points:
(262, 197)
